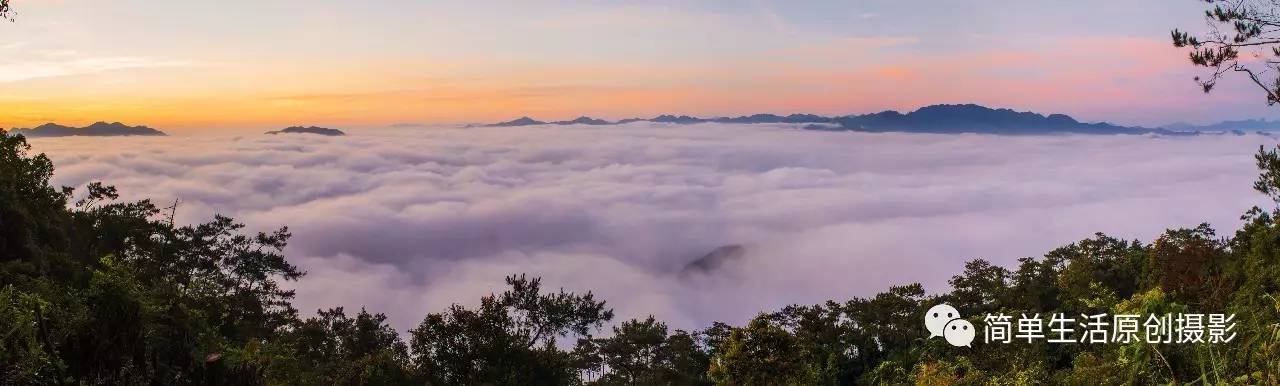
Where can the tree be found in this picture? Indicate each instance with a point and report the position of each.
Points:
(332, 348)
(509, 339)
(1185, 263)
(1236, 27)
(762, 353)
(106, 292)
(1096, 267)
(980, 285)
(642, 352)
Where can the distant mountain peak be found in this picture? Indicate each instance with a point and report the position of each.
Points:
(97, 129)
(1257, 124)
(719, 257)
(682, 119)
(972, 118)
(955, 107)
(522, 121)
(584, 120)
(50, 125)
(308, 130)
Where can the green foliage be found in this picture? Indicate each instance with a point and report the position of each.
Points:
(25, 339)
(510, 339)
(762, 353)
(643, 352)
(1269, 176)
(117, 296)
(332, 348)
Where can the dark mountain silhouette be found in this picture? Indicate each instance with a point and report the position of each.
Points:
(715, 259)
(308, 130)
(522, 121)
(970, 118)
(773, 118)
(961, 118)
(1242, 125)
(99, 129)
(584, 120)
(683, 119)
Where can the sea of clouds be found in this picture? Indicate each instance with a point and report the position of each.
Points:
(408, 221)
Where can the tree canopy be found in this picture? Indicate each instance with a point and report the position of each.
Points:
(1243, 37)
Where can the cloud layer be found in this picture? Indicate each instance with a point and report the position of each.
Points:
(407, 221)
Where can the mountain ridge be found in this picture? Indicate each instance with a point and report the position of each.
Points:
(97, 129)
(308, 130)
(939, 118)
(1259, 124)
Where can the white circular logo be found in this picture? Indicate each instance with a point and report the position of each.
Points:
(938, 316)
(944, 320)
(959, 332)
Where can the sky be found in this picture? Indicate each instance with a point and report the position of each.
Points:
(197, 66)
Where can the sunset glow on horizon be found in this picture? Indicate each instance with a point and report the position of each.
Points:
(193, 66)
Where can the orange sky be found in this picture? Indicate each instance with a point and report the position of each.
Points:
(187, 67)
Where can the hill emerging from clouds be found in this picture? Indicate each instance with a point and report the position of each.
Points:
(309, 130)
(100, 129)
(942, 119)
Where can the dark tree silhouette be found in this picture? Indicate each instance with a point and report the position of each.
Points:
(1243, 37)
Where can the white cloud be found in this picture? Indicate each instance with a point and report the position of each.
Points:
(18, 64)
(407, 221)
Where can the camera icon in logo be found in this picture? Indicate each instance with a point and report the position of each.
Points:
(944, 320)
